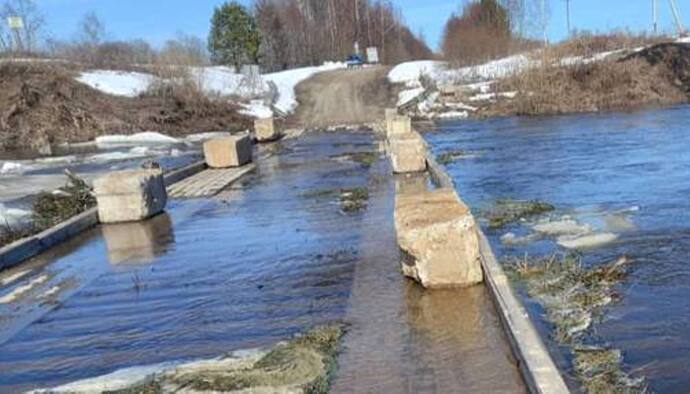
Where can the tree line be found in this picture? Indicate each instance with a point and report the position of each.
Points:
(489, 29)
(280, 34)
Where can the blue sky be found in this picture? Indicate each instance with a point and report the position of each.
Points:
(158, 20)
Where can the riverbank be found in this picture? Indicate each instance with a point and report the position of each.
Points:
(547, 82)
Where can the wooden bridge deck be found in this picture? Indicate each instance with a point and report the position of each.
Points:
(208, 182)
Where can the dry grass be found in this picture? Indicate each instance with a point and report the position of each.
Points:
(587, 44)
(605, 85)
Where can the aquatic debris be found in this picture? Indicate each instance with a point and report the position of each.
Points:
(304, 364)
(574, 296)
(355, 199)
(600, 371)
(351, 199)
(366, 159)
(507, 210)
(450, 156)
(587, 241)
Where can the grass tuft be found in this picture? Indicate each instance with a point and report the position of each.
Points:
(507, 210)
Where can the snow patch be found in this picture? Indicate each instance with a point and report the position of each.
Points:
(117, 83)
(13, 218)
(411, 72)
(286, 81)
(408, 95)
(257, 109)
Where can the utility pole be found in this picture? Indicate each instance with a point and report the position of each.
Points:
(567, 14)
(543, 21)
(655, 15)
(677, 18)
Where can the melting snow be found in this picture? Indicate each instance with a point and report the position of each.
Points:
(118, 83)
(148, 137)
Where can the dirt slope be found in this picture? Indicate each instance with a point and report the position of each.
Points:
(42, 104)
(343, 97)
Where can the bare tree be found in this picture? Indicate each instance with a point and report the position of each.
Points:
(91, 30)
(25, 38)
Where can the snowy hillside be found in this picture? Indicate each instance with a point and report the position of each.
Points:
(216, 80)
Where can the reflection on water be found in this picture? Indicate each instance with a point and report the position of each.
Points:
(620, 174)
(138, 242)
(404, 339)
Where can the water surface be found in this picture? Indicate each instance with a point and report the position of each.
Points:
(621, 173)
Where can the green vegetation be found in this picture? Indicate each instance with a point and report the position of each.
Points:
(354, 200)
(50, 209)
(450, 156)
(234, 38)
(507, 210)
(366, 159)
(574, 296)
(303, 364)
(351, 199)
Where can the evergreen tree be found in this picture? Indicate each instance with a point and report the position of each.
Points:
(234, 38)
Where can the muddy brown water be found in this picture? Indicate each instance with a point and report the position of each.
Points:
(255, 265)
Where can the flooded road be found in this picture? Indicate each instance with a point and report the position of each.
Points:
(620, 186)
(267, 258)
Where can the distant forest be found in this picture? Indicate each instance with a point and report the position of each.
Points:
(306, 32)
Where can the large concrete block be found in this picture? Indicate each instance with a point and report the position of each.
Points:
(265, 130)
(233, 151)
(438, 238)
(407, 153)
(128, 196)
(399, 125)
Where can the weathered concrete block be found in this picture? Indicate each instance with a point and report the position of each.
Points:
(438, 237)
(234, 151)
(140, 242)
(265, 130)
(407, 153)
(390, 114)
(399, 125)
(128, 196)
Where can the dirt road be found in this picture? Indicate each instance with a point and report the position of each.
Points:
(343, 97)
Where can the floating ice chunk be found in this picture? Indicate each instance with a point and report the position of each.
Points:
(453, 115)
(148, 137)
(564, 226)
(587, 241)
(512, 239)
(11, 167)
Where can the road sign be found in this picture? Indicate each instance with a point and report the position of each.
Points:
(15, 22)
(372, 55)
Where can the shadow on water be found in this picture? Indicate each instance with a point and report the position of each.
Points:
(621, 174)
(254, 265)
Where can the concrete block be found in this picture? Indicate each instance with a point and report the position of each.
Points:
(128, 196)
(438, 238)
(234, 151)
(390, 114)
(265, 130)
(138, 242)
(407, 153)
(399, 125)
